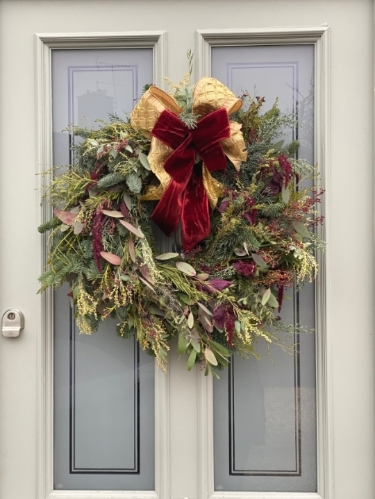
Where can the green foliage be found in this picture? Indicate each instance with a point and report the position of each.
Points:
(262, 241)
(134, 183)
(110, 180)
(51, 224)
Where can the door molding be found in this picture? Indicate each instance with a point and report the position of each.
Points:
(319, 36)
(44, 44)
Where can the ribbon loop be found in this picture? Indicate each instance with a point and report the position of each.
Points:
(187, 189)
(185, 198)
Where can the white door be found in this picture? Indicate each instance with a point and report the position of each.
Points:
(312, 433)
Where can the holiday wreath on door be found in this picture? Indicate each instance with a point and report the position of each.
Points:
(205, 164)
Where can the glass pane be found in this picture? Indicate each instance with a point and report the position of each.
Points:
(104, 386)
(265, 412)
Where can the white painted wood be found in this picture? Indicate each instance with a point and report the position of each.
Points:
(319, 36)
(89, 494)
(45, 43)
(349, 266)
(264, 495)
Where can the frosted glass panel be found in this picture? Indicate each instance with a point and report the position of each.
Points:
(265, 412)
(104, 386)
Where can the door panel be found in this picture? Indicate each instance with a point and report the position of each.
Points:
(265, 411)
(104, 386)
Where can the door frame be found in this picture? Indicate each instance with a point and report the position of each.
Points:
(205, 39)
(44, 44)
(319, 36)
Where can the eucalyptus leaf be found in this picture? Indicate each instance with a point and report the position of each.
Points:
(75, 210)
(110, 257)
(75, 292)
(203, 276)
(214, 345)
(182, 344)
(185, 299)
(301, 229)
(78, 227)
(205, 309)
(131, 227)
(147, 283)
(191, 360)
(190, 320)
(223, 361)
(278, 145)
(196, 345)
(166, 256)
(239, 251)
(156, 310)
(272, 302)
(210, 357)
(266, 296)
(113, 213)
(285, 194)
(258, 260)
(144, 161)
(127, 200)
(186, 268)
(132, 250)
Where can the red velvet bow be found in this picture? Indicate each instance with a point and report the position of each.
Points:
(185, 198)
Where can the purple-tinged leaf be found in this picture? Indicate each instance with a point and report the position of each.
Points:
(205, 309)
(223, 206)
(131, 227)
(247, 216)
(128, 200)
(219, 317)
(111, 258)
(147, 284)
(145, 271)
(124, 209)
(65, 216)
(131, 250)
(219, 284)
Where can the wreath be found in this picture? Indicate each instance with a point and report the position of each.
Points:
(203, 167)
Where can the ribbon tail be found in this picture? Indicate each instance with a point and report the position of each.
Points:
(195, 220)
(180, 164)
(167, 214)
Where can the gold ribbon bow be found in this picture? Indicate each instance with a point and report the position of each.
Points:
(209, 95)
